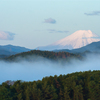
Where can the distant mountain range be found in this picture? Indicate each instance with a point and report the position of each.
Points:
(76, 40)
(93, 47)
(8, 50)
(11, 50)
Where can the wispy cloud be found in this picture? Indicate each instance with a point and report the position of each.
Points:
(4, 35)
(57, 31)
(53, 31)
(50, 20)
(94, 13)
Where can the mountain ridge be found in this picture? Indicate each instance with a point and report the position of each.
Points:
(7, 50)
(76, 40)
(92, 47)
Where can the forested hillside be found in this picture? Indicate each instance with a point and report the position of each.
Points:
(45, 54)
(75, 86)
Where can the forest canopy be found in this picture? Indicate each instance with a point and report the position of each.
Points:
(75, 86)
(46, 54)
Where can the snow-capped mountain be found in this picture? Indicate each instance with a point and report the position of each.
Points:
(76, 40)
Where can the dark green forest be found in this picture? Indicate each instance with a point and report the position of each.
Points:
(46, 54)
(75, 86)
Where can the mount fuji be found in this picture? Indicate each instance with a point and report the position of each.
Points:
(76, 40)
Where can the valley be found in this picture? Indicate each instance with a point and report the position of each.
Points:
(49, 50)
(50, 70)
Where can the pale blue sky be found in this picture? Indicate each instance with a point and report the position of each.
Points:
(42, 22)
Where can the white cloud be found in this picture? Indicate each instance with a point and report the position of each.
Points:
(4, 35)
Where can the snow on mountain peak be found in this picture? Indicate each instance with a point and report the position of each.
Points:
(76, 40)
(83, 33)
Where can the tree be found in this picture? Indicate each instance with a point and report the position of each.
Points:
(66, 94)
(53, 95)
(20, 96)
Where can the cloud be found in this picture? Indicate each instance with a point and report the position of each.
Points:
(50, 20)
(97, 13)
(53, 31)
(56, 31)
(39, 67)
(4, 35)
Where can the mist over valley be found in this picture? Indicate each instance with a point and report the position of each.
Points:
(32, 65)
(39, 67)
(49, 50)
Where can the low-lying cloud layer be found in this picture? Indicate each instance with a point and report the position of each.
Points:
(4, 35)
(36, 70)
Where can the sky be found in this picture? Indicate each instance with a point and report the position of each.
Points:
(34, 23)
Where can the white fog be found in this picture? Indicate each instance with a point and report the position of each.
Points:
(30, 71)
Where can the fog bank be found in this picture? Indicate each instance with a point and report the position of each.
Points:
(30, 71)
